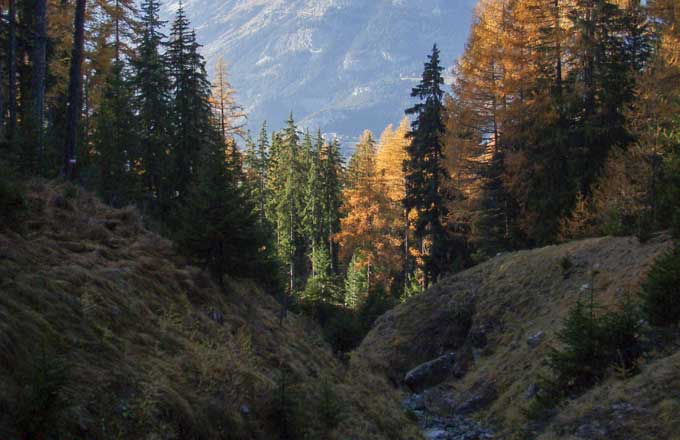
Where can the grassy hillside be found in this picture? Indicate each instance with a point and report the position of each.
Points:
(502, 317)
(106, 332)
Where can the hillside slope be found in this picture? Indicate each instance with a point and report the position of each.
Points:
(501, 318)
(106, 332)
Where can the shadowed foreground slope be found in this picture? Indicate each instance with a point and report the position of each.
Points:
(106, 332)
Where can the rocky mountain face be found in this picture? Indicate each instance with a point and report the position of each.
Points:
(338, 65)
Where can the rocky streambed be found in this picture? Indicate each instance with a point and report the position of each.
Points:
(442, 413)
(438, 424)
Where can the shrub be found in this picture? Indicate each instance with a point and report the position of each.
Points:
(592, 343)
(661, 291)
(566, 264)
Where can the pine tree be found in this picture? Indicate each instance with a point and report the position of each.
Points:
(424, 168)
(152, 103)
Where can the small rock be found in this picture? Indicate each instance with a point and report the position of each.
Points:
(536, 339)
(245, 410)
(531, 391)
(483, 397)
(436, 434)
(430, 373)
(621, 410)
(216, 316)
(591, 430)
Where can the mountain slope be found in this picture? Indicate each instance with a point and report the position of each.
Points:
(501, 319)
(339, 65)
(106, 332)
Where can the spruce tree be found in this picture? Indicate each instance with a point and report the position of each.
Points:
(217, 221)
(356, 283)
(191, 110)
(313, 215)
(289, 205)
(331, 187)
(115, 141)
(152, 103)
(424, 168)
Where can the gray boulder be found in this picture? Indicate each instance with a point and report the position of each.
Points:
(431, 373)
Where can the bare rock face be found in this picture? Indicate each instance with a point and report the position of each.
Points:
(431, 373)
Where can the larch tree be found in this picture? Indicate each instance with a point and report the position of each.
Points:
(230, 115)
(365, 233)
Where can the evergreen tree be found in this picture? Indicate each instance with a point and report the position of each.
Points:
(331, 199)
(313, 213)
(425, 172)
(218, 225)
(114, 141)
(152, 103)
(191, 109)
(356, 283)
(289, 205)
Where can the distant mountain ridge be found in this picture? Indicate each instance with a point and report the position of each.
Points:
(338, 65)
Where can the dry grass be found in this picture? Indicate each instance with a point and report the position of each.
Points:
(513, 297)
(129, 318)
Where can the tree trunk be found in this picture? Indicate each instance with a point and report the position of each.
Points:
(558, 49)
(12, 69)
(40, 71)
(74, 91)
(2, 101)
(117, 36)
(407, 271)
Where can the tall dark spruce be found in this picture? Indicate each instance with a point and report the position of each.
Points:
(151, 100)
(424, 169)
